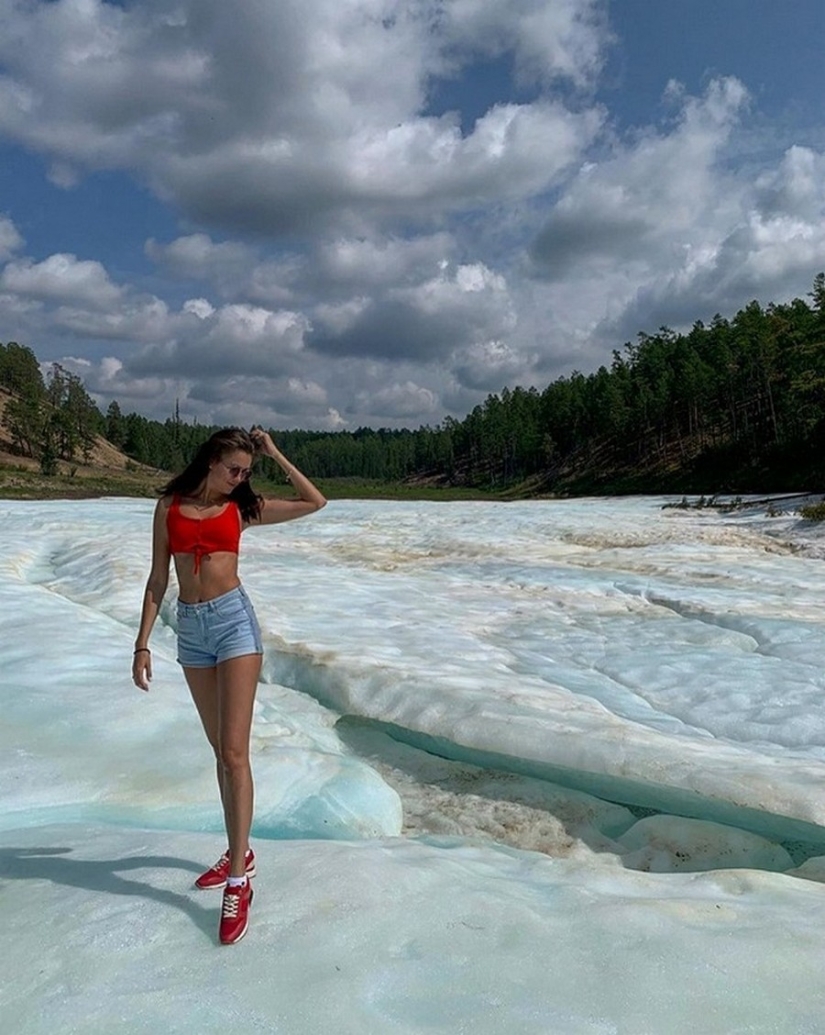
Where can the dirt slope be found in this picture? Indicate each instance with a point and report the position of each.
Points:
(104, 456)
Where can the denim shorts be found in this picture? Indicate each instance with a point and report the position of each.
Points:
(217, 630)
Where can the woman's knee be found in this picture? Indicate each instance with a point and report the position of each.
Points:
(233, 757)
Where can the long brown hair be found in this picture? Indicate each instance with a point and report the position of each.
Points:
(227, 440)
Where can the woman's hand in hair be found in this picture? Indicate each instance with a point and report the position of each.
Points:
(262, 441)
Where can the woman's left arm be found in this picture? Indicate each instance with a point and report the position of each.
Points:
(309, 499)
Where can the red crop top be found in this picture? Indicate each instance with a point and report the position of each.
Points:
(202, 536)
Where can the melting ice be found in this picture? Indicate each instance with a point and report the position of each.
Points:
(528, 767)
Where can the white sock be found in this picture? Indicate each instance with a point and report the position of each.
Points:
(236, 882)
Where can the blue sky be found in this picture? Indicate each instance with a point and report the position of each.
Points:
(773, 47)
(377, 212)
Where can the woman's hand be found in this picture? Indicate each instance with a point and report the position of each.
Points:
(263, 441)
(142, 668)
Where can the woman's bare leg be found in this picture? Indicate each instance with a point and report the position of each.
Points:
(203, 686)
(237, 681)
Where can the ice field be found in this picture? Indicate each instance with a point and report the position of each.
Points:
(526, 768)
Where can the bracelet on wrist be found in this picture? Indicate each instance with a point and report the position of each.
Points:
(141, 650)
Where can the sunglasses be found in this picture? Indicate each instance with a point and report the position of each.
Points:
(236, 471)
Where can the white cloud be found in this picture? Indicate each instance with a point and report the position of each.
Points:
(244, 399)
(61, 277)
(132, 319)
(197, 256)
(342, 317)
(235, 340)
(199, 307)
(489, 365)
(334, 421)
(106, 380)
(563, 39)
(454, 306)
(269, 119)
(232, 269)
(10, 239)
(647, 195)
(662, 230)
(796, 188)
(400, 400)
(247, 324)
(368, 263)
(307, 391)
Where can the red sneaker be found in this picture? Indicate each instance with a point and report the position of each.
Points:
(215, 876)
(235, 913)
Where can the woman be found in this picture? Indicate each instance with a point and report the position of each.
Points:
(198, 521)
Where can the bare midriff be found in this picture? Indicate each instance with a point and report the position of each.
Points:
(217, 574)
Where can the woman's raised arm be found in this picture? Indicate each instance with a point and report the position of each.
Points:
(310, 498)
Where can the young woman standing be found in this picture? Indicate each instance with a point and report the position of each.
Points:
(198, 521)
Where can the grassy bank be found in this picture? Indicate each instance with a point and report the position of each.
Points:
(19, 481)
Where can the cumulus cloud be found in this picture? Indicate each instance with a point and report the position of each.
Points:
(136, 319)
(269, 119)
(663, 230)
(10, 239)
(564, 39)
(366, 263)
(61, 278)
(197, 257)
(795, 188)
(489, 365)
(421, 321)
(400, 400)
(231, 269)
(233, 340)
(106, 379)
(645, 195)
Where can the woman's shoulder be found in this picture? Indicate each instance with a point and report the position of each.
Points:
(165, 502)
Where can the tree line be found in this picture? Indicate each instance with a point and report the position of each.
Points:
(736, 405)
(374, 455)
(52, 418)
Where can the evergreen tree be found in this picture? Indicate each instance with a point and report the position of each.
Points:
(115, 427)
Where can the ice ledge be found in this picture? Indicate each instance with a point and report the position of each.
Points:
(577, 743)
